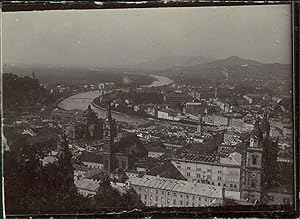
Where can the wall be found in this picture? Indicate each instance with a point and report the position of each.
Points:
(165, 198)
(219, 175)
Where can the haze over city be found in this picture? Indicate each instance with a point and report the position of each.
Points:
(136, 108)
(125, 37)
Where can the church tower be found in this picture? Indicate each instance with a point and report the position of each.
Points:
(252, 165)
(259, 162)
(108, 140)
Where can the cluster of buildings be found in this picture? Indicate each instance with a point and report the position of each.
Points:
(194, 151)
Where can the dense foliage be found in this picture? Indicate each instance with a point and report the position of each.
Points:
(31, 188)
(24, 92)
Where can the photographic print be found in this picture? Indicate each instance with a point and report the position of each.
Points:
(147, 108)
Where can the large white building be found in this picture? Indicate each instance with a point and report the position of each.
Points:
(166, 192)
(225, 172)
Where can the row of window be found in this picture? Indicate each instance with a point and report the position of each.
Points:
(199, 169)
(203, 176)
(213, 183)
(174, 200)
(192, 197)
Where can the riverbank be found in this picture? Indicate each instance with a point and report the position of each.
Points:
(102, 108)
(82, 100)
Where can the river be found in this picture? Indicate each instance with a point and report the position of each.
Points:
(82, 104)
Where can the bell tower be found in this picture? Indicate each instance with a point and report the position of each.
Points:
(107, 140)
(252, 164)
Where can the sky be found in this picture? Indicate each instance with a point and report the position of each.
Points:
(116, 37)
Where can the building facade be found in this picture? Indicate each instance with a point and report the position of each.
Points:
(166, 192)
(259, 162)
(210, 170)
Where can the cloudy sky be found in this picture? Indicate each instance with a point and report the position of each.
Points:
(102, 38)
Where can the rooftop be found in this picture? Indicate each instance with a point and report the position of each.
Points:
(87, 184)
(196, 157)
(180, 186)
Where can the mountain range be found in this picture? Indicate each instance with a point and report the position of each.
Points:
(169, 62)
(232, 68)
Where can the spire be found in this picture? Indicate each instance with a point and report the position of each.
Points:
(265, 125)
(256, 130)
(108, 114)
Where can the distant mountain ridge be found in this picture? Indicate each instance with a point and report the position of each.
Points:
(234, 68)
(169, 62)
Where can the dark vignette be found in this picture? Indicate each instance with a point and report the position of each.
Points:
(229, 211)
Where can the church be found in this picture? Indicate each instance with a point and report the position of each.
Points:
(259, 162)
(101, 134)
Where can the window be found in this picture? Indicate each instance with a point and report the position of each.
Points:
(188, 168)
(178, 166)
(254, 160)
(219, 184)
(168, 193)
(230, 185)
(271, 198)
(151, 190)
(198, 175)
(206, 199)
(219, 171)
(162, 199)
(253, 184)
(162, 192)
(187, 196)
(212, 183)
(180, 195)
(150, 197)
(156, 191)
(174, 194)
(140, 188)
(168, 200)
(145, 196)
(174, 202)
(156, 198)
(188, 174)
(193, 198)
(181, 203)
(199, 169)
(187, 203)
(209, 170)
(199, 198)
(234, 186)
(219, 178)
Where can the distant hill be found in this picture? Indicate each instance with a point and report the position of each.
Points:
(79, 75)
(233, 68)
(169, 62)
